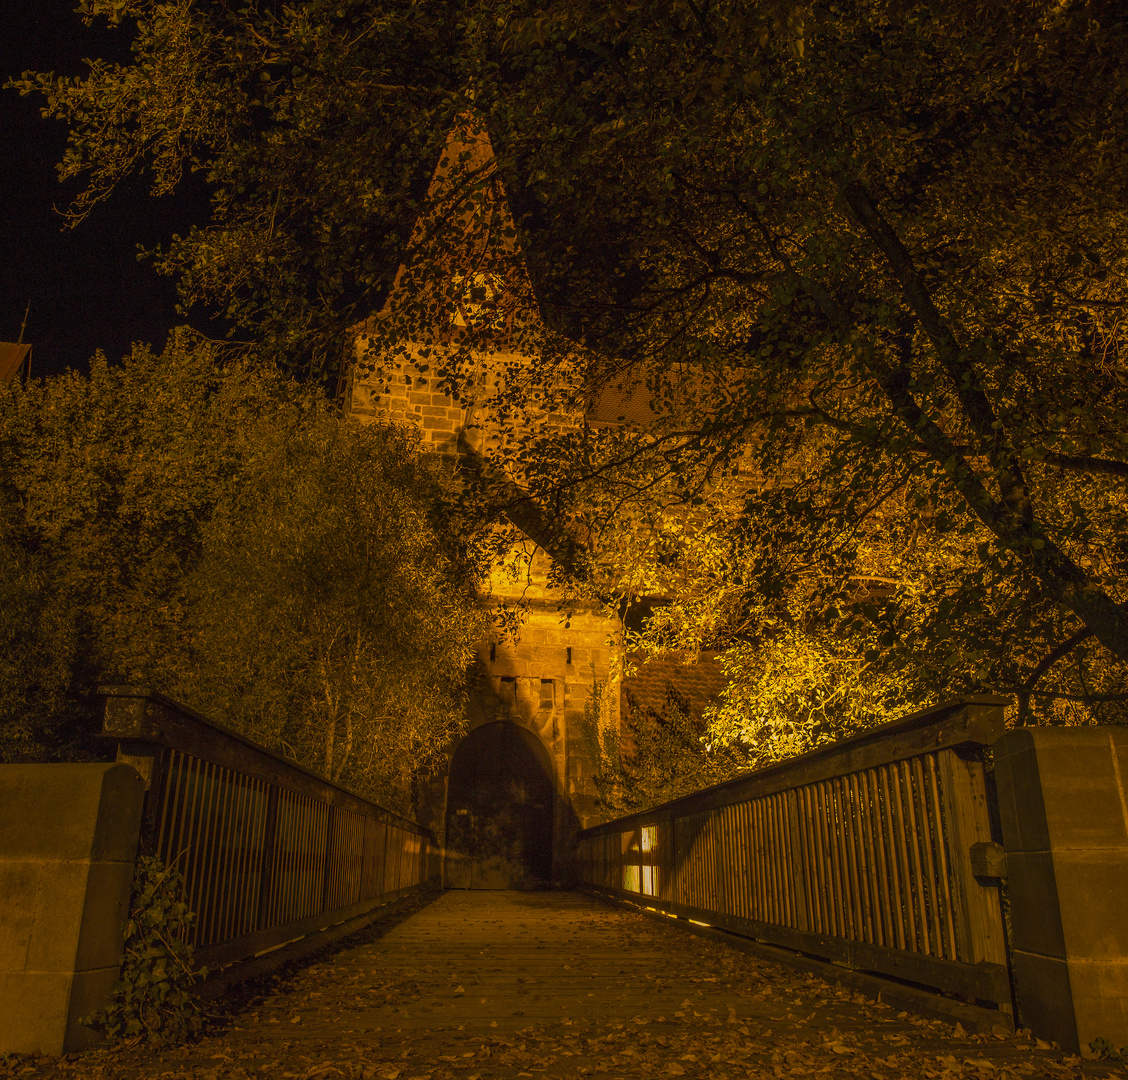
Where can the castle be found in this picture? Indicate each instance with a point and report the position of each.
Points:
(460, 351)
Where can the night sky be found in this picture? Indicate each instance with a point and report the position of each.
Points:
(87, 289)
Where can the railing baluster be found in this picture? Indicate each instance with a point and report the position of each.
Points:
(941, 850)
(844, 853)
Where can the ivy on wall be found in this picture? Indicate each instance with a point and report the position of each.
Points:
(153, 1002)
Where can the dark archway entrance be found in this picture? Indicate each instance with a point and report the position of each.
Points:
(499, 811)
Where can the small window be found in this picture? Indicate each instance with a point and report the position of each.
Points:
(546, 694)
(569, 651)
(493, 651)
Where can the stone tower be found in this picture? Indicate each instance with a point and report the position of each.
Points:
(459, 350)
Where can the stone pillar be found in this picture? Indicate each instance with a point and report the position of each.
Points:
(68, 841)
(1063, 800)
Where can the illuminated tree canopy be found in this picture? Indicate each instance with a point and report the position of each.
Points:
(865, 260)
(196, 525)
(868, 261)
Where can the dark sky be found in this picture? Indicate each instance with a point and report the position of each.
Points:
(86, 287)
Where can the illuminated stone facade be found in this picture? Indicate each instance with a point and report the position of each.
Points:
(462, 300)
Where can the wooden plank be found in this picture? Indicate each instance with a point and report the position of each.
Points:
(169, 800)
(798, 863)
(760, 864)
(866, 871)
(816, 884)
(772, 885)
(904, 861)
(742, 894)
(927, 837)
(217, 822)
(853, 855)
(228, 952)
(837, 925)
(198, 845)
(723, 856)
(951, 949)
(844, 884)
(235, 845)
(785, 913)
(979, 920)
(880, 839)
(911, 834)
(268, 874)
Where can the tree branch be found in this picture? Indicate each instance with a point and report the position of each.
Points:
(1044, 665)
(1061, 577)
(1013, 490)
(1096, 465)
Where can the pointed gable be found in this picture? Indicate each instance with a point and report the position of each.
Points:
(463, 275)
(14, 357)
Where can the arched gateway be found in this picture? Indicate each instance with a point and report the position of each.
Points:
(499, 811)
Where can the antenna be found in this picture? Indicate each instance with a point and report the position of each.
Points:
(23, 325)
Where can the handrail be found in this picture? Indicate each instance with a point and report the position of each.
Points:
(975, 720)
(139, 714)
(269, 850)
(863, 852)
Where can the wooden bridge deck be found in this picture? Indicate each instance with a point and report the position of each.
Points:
(484, 985)
(486, 961)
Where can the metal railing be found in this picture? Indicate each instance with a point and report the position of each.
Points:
(864, 853)
(269, 851)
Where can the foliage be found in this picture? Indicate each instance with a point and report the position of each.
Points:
(336, 557)
(601, 740)
(652, 756)
(865, 263)
(153, 1000)
(312, 124)
(199, 524)
(864, 260)
(107, 482)
(1105, 1051)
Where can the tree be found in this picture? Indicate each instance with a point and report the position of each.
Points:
(881, 245)
(202, 525)
(107, 481)
(333, 611)
(314, 126)
(865, 259)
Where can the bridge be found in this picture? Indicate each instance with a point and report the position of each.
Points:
(481, 984)
(839, 913)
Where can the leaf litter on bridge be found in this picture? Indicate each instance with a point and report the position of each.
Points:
(734, 1017)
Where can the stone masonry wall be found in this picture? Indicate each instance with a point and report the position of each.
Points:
(543, 680)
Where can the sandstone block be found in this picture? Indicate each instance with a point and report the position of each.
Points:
(1065, 828)
(68, 839)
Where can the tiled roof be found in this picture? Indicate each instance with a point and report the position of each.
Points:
(699, 684)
